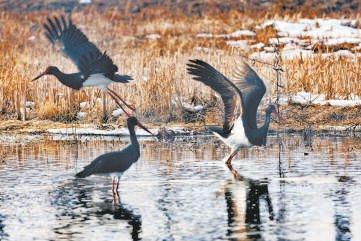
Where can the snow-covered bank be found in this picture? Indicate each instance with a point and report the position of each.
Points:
(300, 38)
(115, 132)
(318, 99)
(315, 28)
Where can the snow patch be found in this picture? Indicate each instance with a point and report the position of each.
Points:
(285, 54)
(296, 53)
(318, 99)
(243, 44)
(204, 35)
(299, 38)
(284, 40)
(117, 112)
(94, 131)
(241, 33)
(257, 46)
(269, 49)
(153, 36)
(85, 1)
(340, 53)
(90, 131)
(29, 104)
(192, 108)
(344, 40)
(314, 28)
(81, 115)
(84, 105)
(236, 34)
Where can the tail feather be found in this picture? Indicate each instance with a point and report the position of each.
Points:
(83, 173)
(122, 78)
(89, 169)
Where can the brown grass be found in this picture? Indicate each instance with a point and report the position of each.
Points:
(334, 77)
(158, 66)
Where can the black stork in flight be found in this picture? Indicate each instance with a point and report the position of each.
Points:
(241, 98)
(95, 68)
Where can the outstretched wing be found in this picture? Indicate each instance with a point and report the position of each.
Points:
(252, 89)
(76, 45)
(92, 63)
(117, 161)
(232, 100)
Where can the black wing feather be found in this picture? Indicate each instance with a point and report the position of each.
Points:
(92, 63)
(208, 75)
(76, 45)
(252, 90)
(244, 93)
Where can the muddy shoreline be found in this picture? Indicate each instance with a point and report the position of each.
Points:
(295, 118)
(79, 134)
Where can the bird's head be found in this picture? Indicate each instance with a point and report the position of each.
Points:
(133, 121)
(272, 110)
(49, 71)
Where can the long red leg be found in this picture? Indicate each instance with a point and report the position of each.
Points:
(121, 99)
(229, 160)
(230, 167)
(118, 184)
(116, 101)
(117, 190)
(113, 184)
(116, 197)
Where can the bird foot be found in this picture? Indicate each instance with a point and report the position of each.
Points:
(235, 174)
(116, 198)
(226, 160)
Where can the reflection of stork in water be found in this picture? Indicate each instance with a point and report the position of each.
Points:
(121, 212)
(342, 207)
(307, 138)
(3, 235)
(256, 191)
(75, 204)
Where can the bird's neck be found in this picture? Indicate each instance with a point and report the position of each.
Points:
(62, 77)
(267, 121)
(71, 80)
(58, 74)
(133, 137)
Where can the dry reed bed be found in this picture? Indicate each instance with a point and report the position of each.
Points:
(158, 66)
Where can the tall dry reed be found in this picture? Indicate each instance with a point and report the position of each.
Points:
(157, 65)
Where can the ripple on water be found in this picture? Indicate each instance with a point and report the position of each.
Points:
(183, 191)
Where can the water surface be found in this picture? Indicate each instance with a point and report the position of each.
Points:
(183, 191)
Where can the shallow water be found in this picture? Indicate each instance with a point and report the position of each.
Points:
(183, 191)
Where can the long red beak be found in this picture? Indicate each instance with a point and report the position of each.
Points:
(39, 76)
(145, 128)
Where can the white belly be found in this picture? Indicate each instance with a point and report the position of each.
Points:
(111, 174)
(98, 80)
(237, 138)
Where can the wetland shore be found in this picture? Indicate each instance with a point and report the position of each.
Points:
(295, 118)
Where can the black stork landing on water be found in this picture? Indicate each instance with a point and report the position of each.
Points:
(117, 162)
(95, 68)
(241, 99)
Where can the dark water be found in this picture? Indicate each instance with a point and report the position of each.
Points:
(183, 191)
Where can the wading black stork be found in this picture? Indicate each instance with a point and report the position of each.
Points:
(117, 162)
(95, 68)
(241, 99)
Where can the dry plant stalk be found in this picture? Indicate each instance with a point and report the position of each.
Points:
(157, 65)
